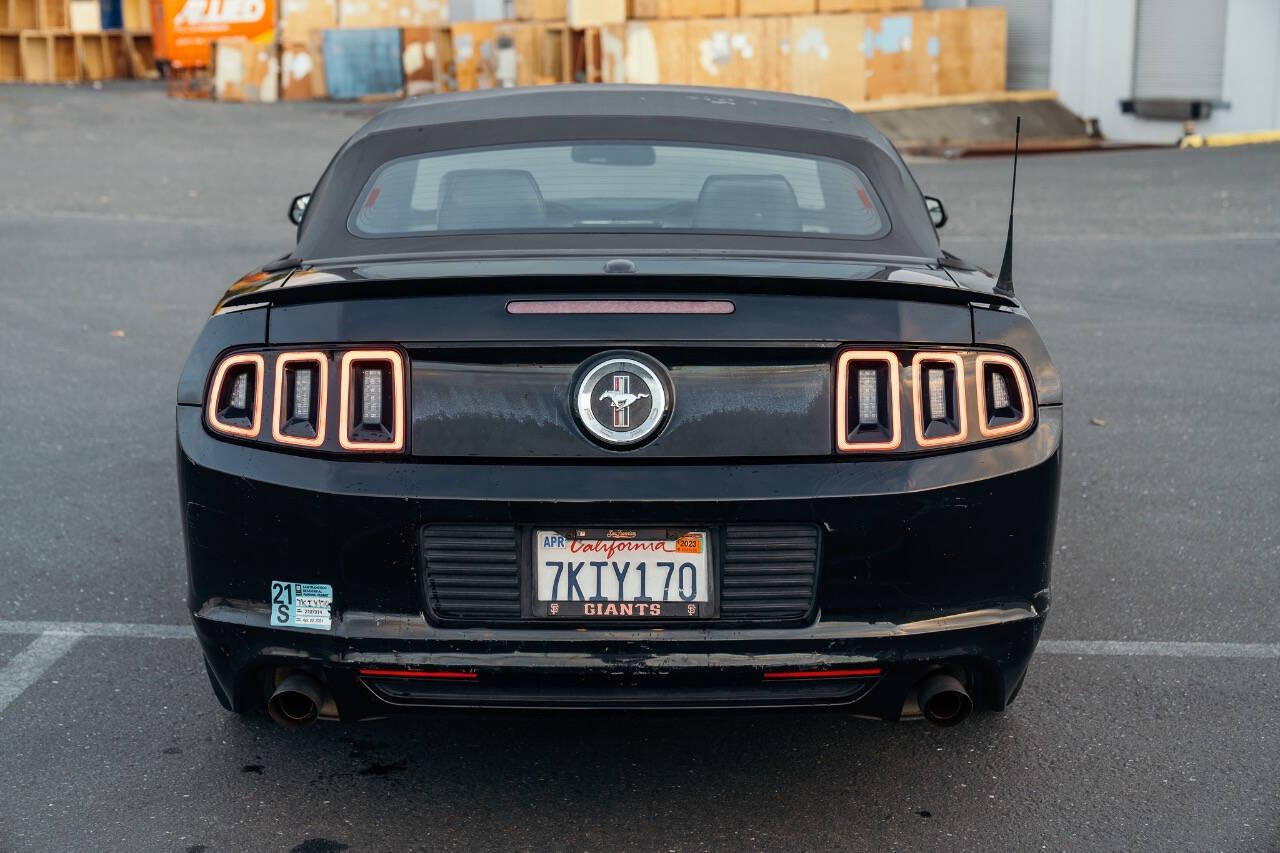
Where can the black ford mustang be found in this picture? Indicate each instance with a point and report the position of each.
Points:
(644, 397)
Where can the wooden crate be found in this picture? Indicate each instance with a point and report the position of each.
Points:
(585, 14)
(37, 56)
(54, 14)
(299, 17)
(65, 60)
(776, 7)
(10, 58)
(136, 15)
(725, 52)
(683, 8)
(115, 53)
(541, 10)
(141, 55)
(245, 70)
(826, 56)
(91, 51)
(869, 5)
(971, 51)
(23, 14)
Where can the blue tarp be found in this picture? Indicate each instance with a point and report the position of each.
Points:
(362, 62)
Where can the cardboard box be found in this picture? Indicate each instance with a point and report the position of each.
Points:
(245, 70)
(582, 14)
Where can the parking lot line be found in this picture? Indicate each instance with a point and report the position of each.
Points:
(28, 665)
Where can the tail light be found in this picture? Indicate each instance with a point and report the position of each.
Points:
(301, 398)
(371, 415)
(235, 396)
(940, 414)
(941, 392)
(1004, 397)
(868, 414)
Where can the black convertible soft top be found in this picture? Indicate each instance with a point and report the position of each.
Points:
(766, 120)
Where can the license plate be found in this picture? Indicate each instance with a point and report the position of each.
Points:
(623, 573)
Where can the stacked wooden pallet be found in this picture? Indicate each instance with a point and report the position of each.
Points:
(56, 41)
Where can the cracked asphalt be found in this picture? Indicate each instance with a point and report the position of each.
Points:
(1153, 278)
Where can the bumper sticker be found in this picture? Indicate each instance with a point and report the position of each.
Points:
(301, 605)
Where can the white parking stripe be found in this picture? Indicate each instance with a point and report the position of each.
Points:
(101, 629)
(1125, 648)
(28, 665)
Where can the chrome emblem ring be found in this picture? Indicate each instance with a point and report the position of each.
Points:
(621, 400)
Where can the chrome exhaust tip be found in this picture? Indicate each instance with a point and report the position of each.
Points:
(297, 700)
(943, 700)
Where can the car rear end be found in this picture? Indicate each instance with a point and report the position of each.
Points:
(636, 397)
(834, 570)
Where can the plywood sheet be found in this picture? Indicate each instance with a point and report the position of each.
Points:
(299, 17)
(826, 56)
(777, 7)
(683, 8)
(726, 52)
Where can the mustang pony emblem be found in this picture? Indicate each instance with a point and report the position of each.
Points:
(620, 397)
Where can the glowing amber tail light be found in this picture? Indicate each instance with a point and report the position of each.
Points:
(220, 414)
(368, 422)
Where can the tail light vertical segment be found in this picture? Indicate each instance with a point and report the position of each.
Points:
(360, 401)
(222, 412)
(288, 426)
(995, 421)
(949, 425)
(857, 372)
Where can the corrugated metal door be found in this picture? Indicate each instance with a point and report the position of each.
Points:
(1030, 23)
(1179, 51)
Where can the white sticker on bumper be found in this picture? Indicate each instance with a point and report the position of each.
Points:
(302, 605)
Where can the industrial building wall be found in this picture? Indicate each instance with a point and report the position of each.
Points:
(1095, 62)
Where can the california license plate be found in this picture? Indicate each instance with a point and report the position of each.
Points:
(623, 573)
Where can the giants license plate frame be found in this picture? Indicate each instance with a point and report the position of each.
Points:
(686, 577)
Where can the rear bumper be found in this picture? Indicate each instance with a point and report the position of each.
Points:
(925, 562)
(370, 665)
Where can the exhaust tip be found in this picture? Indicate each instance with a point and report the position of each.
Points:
(296, 701)
(944, 700)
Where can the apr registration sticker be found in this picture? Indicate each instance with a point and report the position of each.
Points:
(301, 605)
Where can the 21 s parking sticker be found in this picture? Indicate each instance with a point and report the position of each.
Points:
(302, 605)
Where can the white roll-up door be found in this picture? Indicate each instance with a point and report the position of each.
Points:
(1179, 50)
(1030, 27)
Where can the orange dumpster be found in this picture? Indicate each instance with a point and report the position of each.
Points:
(184, 30)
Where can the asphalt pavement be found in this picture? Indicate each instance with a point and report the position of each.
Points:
(1150, 720)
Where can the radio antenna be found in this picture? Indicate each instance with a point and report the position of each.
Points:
(1004, 282)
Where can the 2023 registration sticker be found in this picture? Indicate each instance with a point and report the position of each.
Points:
(623, 573)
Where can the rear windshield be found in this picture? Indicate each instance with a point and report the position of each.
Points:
(618, 186)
